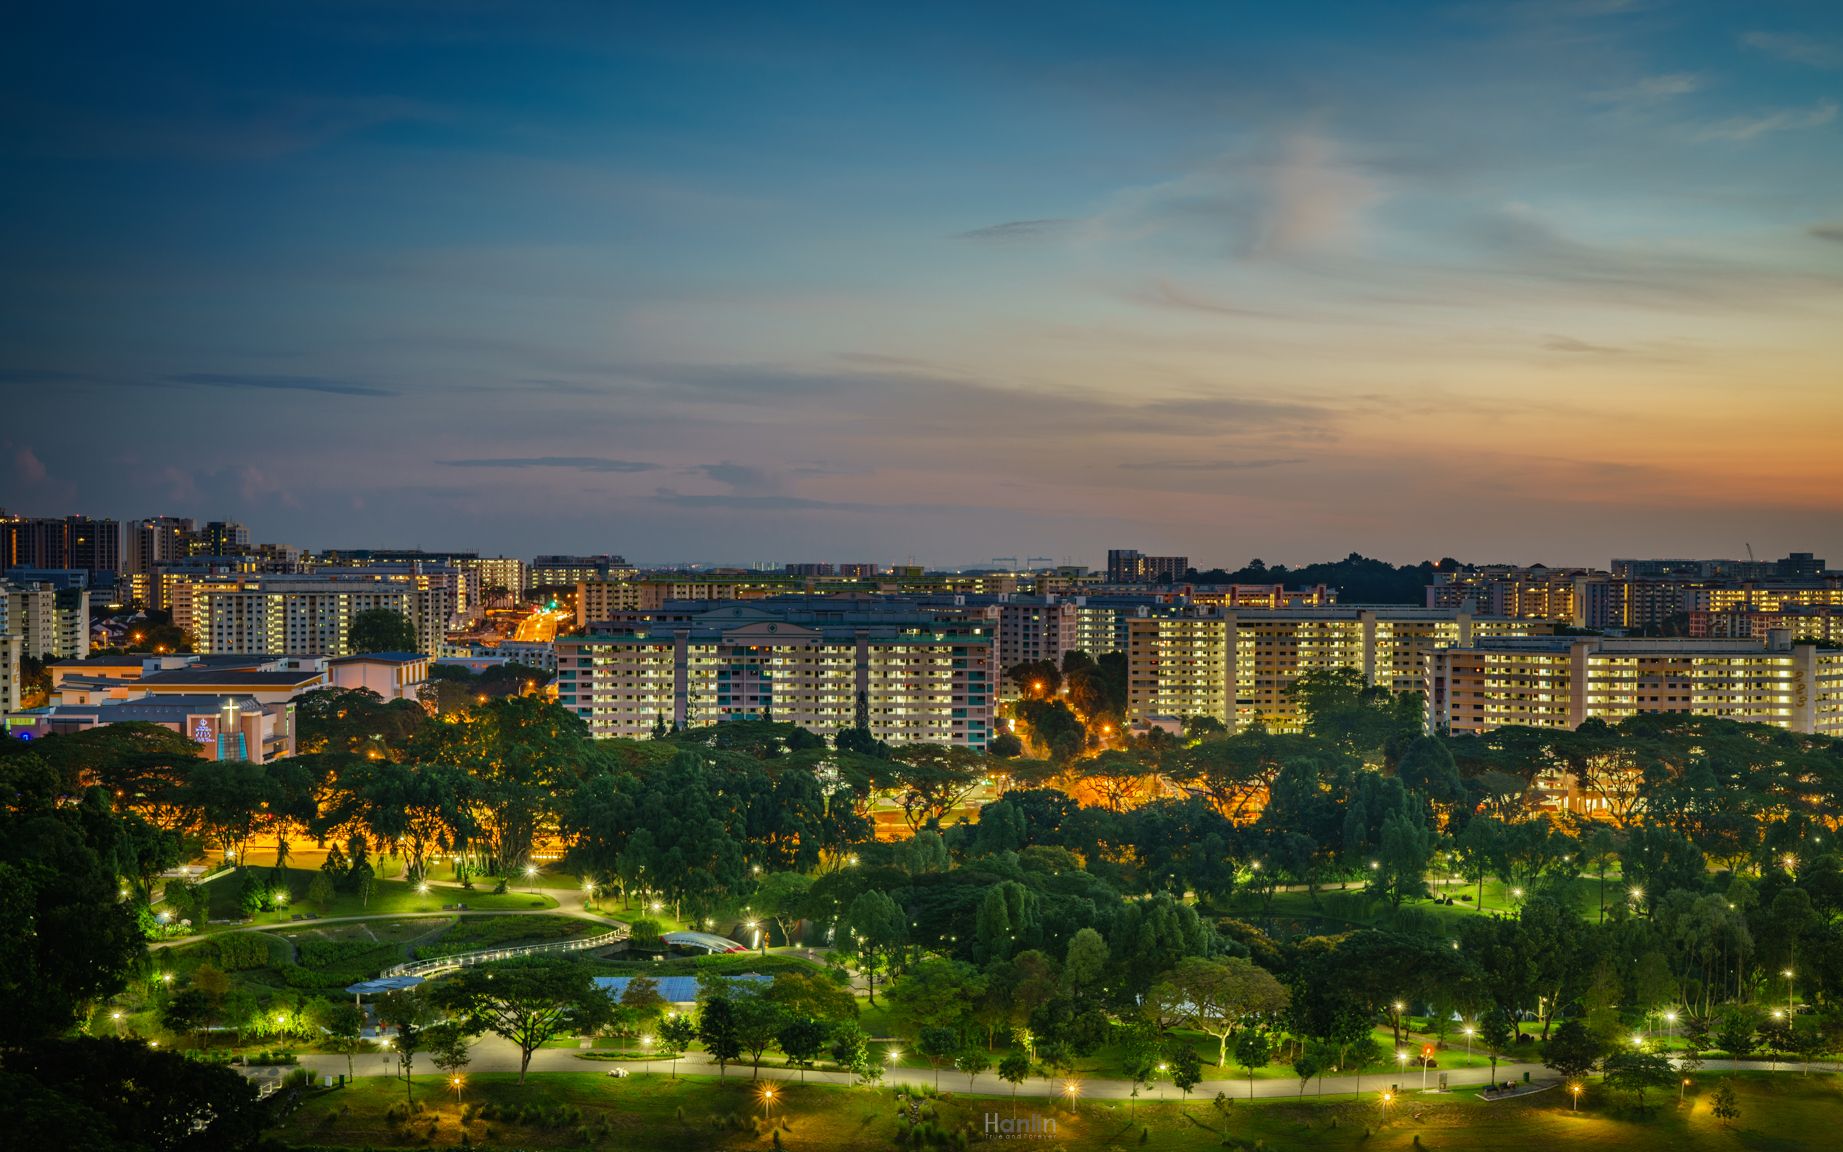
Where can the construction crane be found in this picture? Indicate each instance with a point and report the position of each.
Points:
(1033, 561)
(1012, 561)
(1750, 558)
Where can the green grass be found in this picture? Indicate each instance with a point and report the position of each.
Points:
(1338, 909)
(388, 898)
(471, 933)
(653, 1112)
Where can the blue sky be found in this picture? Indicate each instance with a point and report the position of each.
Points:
(1512, 281)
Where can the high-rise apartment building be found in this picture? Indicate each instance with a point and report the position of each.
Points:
(565, 571)
(51, 622)
(10, 690)
(1240, 667)
(1562, 682)
(916, 680)
(100, 547)
(1033, 628)
(310, 615)
(1129, 566)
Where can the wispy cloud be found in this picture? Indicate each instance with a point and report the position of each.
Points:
(1012, 230)
(1211, 465)
(278, 383)
(740, 476)
(1777, 120)
(574, 463)
(1830, 232)
(737, 503)
(1653, 90)
(1797, 48)
(1580, 347)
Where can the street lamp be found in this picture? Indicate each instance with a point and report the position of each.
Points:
(1682, 1088)
(531, 874)
(1787, 973)
(1162, 1069)
(768, 1099)
(455, 1081)
(1469, 1033)
(1576, 1089)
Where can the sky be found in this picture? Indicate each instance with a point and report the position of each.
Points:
(1546, 281)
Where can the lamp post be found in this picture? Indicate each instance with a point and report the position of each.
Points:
(1787, 973)
(531, 874)
(1576, 1090)
(1469, 1033)
(455, 1082)
(1682, 1088)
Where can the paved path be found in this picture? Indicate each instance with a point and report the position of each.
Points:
(492, 1054)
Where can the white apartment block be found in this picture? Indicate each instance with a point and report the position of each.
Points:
(308, 615)
(51, 623)
(1562, 682)
(919, 685)
(1240, 667)
(10, 691)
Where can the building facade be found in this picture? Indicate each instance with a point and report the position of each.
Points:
(1241, 667)
(917, 681)
(1561, 682)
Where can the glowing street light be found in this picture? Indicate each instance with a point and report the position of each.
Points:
(1576, 1090)
(1469, 1033)
(1682, 1088)
(1787, 973)
(531, 874)
(455, 1082)
(768, 1095)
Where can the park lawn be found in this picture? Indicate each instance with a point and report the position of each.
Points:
(1341, 909)
(388, 898)
(654, 1112)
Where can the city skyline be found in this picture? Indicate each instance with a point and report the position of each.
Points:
(1518, 283)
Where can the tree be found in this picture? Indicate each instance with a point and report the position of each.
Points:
(446, 1044)
(641, 1003)
(526, 1002)
(1014, 1069)
(1497, 1033)
(381, 630)
(67, 938)
(345, 1029)
(320, 891)
(1305, 1066)
(1253, 1048)
(717, 1032)
(1086, 961)
(1215, 995)
(875, 930)
(1186, 1067)
(1735, 1033)
(938, 993)
(675, 1035)
(1635, 1071)
(1724, 1106)
(850, 1050)
(970, 1061)
(801, 1038)
(758, 1021)
(781, 897)
(408, 1012)
(1401, 859)
(1573, 1050)
(938, 1046)
(105, 1093)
